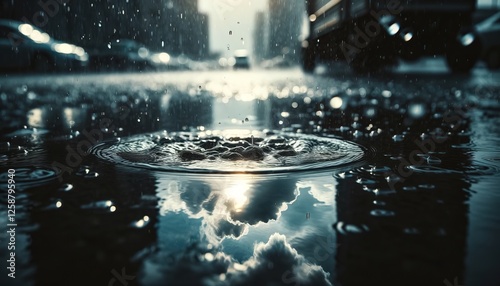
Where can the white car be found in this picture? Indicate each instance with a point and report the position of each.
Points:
(489, 33)
(23, 46)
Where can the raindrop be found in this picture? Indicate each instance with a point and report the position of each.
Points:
(433, 160)
(230, 33)
(139, 223)
(411, 230)
(86, 173)
(346, 229)
(66, 187)
(344, 128)
(431, 170)
(344, 175)
(364, 181)
(382, 213)
(357, 134)
(98, 205)
(426, 187)
(398, 138)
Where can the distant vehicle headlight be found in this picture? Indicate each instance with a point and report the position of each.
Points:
(79, 51)
(70, 49)
(65, 48)
(33, 34)
(164, 57)
(84, 57)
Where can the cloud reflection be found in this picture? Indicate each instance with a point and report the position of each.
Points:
(275, 262)
(227, 206)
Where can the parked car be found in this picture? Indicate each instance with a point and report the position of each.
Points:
(121, 54)
(23, 46)
(241, 59)
(489, 33)
(370, 34)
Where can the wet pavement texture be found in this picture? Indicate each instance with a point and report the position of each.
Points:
(252, 178)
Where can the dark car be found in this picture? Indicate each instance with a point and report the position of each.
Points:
(121, 54)
(23, 46)
(371, 34)
(241, 59)
(489, 33)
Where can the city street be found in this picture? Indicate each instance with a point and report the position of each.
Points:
(117, 178)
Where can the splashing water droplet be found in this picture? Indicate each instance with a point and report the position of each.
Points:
(219, 152)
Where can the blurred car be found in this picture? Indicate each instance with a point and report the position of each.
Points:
(489, 33)
(121, 54)
(23, 46)
(278, 62)
(241, 60)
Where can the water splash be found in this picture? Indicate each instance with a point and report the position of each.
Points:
(230, 152)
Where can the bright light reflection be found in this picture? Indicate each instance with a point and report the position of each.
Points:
(393, 29)
(35, 118)
(64, 48)
(164, 57)
(236, 196)
(408, 36)
(33, 34)
(336, 102)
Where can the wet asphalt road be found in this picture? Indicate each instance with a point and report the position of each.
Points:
(58, 108)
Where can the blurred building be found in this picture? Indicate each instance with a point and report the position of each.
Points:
(261, 36)
(173, 26)
(285, 19)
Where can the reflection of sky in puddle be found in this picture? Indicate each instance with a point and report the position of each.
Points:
(241, 216)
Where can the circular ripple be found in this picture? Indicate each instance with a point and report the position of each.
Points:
(30, 177)
(230, 151)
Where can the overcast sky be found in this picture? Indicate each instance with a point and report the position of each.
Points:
(235, 16)
(238, 17)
